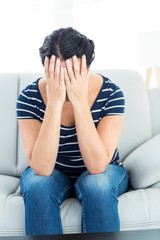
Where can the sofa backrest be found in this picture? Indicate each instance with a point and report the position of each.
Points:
(8, 124)
(136, 126)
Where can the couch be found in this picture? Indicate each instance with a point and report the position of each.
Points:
(139, 148)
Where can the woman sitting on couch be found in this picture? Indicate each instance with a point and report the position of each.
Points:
(70, 121)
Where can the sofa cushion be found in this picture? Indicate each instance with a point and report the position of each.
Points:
(139, 209)
(143, 164)
(8, 125)
(15, 213)
(8, 186)
(71, 212)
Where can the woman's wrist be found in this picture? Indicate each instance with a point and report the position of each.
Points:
(80, 103)
(81, 107)
(54, 105)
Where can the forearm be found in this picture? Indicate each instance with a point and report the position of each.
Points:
(45, 150)
(92, 148)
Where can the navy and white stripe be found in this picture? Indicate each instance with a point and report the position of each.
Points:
(110, 101)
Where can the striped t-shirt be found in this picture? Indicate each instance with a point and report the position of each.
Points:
(109, 101)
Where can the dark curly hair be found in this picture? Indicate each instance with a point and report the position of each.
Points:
(64, 43)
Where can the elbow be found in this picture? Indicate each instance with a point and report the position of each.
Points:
(44, 170)
(100, 166)
(97, 170)
(43, 173)
(93, 172)
(41, 170)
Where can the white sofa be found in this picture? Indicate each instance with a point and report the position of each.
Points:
(139, 147)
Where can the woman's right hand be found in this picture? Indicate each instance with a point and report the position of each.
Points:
(55, 85)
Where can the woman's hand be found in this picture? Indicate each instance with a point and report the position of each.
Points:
(76, 79)
(55, 85)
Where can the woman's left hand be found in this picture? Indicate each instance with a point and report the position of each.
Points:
(76, 78)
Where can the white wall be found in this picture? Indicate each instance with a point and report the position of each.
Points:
(114, 25)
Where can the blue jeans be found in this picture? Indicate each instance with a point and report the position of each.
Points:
(98, 195)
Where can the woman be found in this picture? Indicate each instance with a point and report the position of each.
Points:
(70, 122)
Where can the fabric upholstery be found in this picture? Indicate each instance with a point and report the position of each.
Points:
(139, 209)
(8, 126)
(143, 164)
(154, 98)
(8, 186)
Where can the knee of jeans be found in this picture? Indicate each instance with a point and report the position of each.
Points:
(95, 184)
(33, 183)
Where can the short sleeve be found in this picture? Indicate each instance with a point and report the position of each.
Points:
(26, 107)
(115, 103)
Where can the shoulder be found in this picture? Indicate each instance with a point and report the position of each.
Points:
(31, 87)
(30, 92)
(99, 80)
(114, 101)
(111, 89)
(29, 103)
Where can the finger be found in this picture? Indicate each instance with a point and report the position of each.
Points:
(88, 72)
(70, 70)
(46, 67)
(52, 66)
(76, 67)
(57, 69)
(83, 66)
(66, 77)
(61, 78)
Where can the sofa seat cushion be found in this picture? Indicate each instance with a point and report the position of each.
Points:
(15, 214)
(8, 186)
(71, 216)
(137, 210)
(140, 209)
(143, 164)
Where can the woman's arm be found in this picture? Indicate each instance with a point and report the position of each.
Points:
(97, 146)
(41, 141)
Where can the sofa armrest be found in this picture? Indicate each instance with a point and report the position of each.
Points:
(143, 164)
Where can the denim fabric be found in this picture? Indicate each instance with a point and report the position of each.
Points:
(98, 195)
